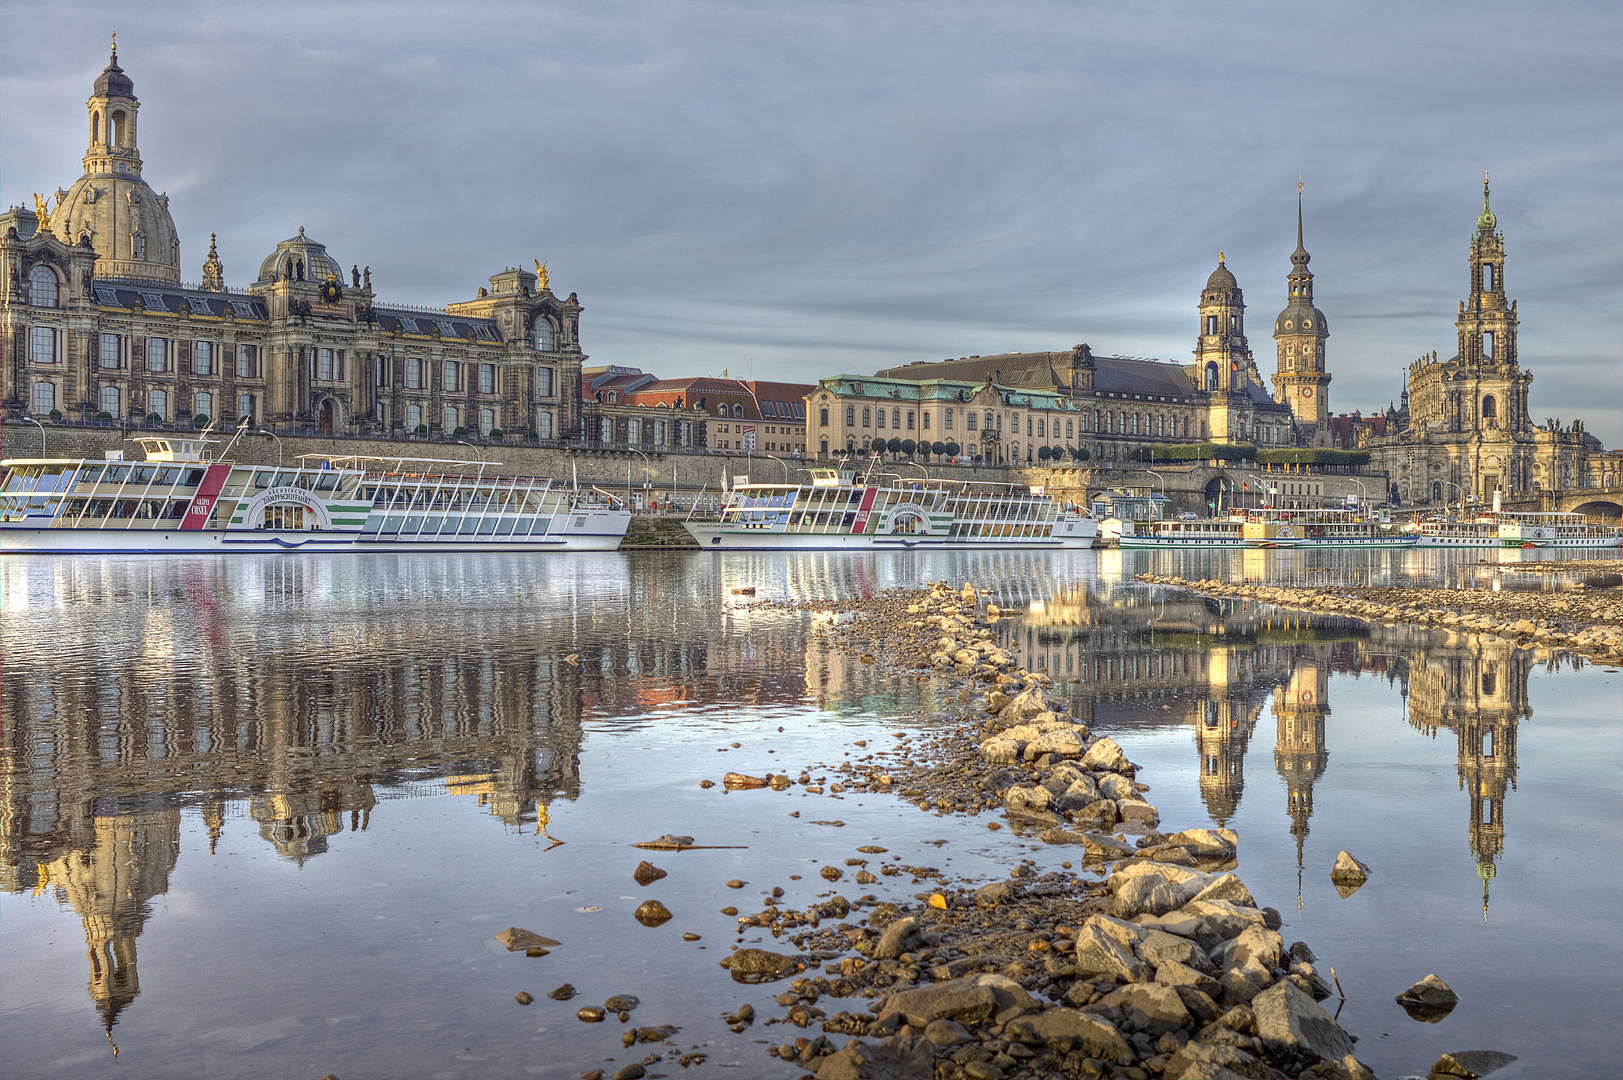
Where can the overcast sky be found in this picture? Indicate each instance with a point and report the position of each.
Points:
(807, 189)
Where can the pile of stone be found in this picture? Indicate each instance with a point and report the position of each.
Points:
(1584, 622)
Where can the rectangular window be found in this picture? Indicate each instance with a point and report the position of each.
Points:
(157, 354)
(158, 404)
(1042, 429)
(245, 409)
(414, 374)
(487, 378)
(543, 382)
(203, 405)
(414, 418)
(338, 365)
(44, 398)
(202, 358)
(44, 345)
(109, 350)
(109, 401)
(543, 424)
(487, 421)
(380, 371)
(867, 418)
(634, 431)
(881, 417)
(247, 362)
(605, 429)
(946, 420)
(1068, 424)
(324, 365)
(1487, 344)
(684, 433)
(850, 417)
(451, 376)
(969, 421)
(896, 418)
(450, 420)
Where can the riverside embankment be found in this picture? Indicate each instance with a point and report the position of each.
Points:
(1148, 958)
(1589, 622)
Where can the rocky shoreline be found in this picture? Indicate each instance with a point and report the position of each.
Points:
(1150, 958)
(1582, 621)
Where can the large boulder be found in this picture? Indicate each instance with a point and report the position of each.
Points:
(1146, 895)
(897, 938)
(1106, 755)
(1153, 1008)
(1101, 812)
(1429, 1000)
(1001, 751)
(1172, 973)
(1030, 702)
(1348, 874)
(1199, 1061)
(1138, 810)
(1230, 888)
(1079, 794)
(1159, 947)
(1207, 843)
(1027, 798)
(1470, 1064)
(1257, 943)
(1104, 846)
(1295, 1029)
(1225, 918)
(1116, 786)
(1099, 954)
(969, 1000)
(900, 1057)
(1084, 1031)
(1063, 743)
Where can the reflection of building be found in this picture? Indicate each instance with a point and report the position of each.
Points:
(1476, 686)
(1300, 754)
(109, 885)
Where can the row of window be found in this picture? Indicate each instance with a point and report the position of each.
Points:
(639, 431)
(111, 401)
(111, 354)
(455, 376)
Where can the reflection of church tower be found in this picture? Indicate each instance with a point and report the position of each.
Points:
(1223, 728)
(1479, 690)
(109, 887)
(1300, 755)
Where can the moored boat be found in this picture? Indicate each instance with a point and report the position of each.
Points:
(1555, 530)
(1318, 529)
(1184, 532)
(179, 500)
(839, 512)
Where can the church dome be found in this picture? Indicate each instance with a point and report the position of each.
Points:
(112, 82)
(128, 225)
(300, 258)
(1221, 277)
(1301, 320)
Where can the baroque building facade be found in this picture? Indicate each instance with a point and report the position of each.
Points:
(1464, 430)
(96, 324)
(1125, 402)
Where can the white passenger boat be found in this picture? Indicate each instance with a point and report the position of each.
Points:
(1318, 529)
(178, 500)
(1478, 532)
(1220, 532)
(1535, 530)
(838, 512)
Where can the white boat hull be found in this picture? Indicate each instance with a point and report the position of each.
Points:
(713, 537)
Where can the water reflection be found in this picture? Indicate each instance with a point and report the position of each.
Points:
(1130, 656)
(292, 699)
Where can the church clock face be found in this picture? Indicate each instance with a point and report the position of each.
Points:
(1307, 391)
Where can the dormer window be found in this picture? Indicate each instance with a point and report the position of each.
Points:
(612, 397)
(138, 246)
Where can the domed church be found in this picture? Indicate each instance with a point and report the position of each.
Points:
(98, 327)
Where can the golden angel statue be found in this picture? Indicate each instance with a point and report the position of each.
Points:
(43, 212)
(541, 275)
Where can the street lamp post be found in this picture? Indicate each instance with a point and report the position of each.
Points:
(41, 427)
(1459, 489)
(646, 464)
(278, 438)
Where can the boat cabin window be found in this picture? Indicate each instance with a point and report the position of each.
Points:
(327, 481)
(142, 474)
(285, 479)
(262, 480)
(91, 475)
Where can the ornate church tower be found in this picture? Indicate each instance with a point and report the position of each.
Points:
(111, 207)
(1221, 349)
(1300, 754)
(1300, 379)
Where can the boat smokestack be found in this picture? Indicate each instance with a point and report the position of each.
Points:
(1497, 495)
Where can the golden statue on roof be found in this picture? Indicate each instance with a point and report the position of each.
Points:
(541, 275)
(42, 210)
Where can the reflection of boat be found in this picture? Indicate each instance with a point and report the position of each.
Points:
(1555, 530)
(1221, 532)
(836, 511)
(1318, 529)
(178, 500)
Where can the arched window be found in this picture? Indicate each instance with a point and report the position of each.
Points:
(738, 412)
(42, 286)
(115, 128)
(1490, 408)
(203, 405)
(1211, 374)
(543, 335)
(867, 418)
(822, 416)
(44, 398)
(1437, 492)
(850, 416)
(109, 401)
(487, 421)
(158, 404)
(246, 409)
(450, 420)
(721, 410)
(95, 127)
(543, 424)
(138, 246)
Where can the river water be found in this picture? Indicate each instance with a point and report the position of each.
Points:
(263, 816)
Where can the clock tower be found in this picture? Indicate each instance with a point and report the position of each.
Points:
(1300, 379)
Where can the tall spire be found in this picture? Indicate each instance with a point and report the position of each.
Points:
(1299, 246)
(1486, 222)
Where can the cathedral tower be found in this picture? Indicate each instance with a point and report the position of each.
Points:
(1220, 351)
(1300, 379)
(110, 206)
